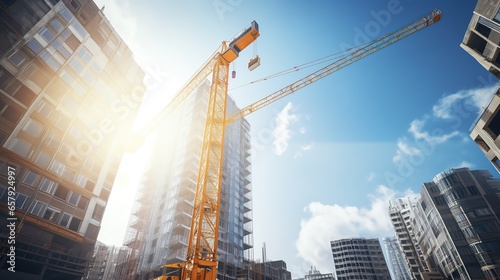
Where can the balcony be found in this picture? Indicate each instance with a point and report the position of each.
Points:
(178, 241)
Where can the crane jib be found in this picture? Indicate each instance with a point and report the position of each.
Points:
(339, 64)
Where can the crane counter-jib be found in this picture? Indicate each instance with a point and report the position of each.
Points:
(241, 41)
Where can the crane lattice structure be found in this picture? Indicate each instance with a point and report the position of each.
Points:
(201, 259)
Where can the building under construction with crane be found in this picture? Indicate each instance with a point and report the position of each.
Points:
(161, 218)
(193, 213)
(193, 221)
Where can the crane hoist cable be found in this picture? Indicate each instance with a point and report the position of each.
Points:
(330, 57)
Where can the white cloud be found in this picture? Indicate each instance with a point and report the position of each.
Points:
(282, 133)
(416, 129)
(404, 149)
(306, 147)
(464, 164)
(302, 130)
(474, 99)
(455, 106)
(331, 222)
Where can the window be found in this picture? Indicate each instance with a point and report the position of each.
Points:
(37, 208)
(472, 190)
(53, 63)
(32, 127)
(12, 114)
(51, 214)
(73, 198)
(76, 65)
(46, 34)
(439, 200)
(98, 212)
(61, 192)
(34, 45)
(92, 231)
(48, 186)
(21, 200)
(24, 95)
(66, 77)
(58, 167)
(81, 180)
(75, 224)
(497, 16)
(84, 54)
(30, 178)
(20, 147)
(104, 194)
(78, 30)
(82, 204)
(52, 140)
(17, 58)
(65, 220)
(90, 186)
(43, 159)
(66, 14)
(56, 24)
(44, 108)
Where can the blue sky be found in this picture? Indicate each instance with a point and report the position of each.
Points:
(327, 159)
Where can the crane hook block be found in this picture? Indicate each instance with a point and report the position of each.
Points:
(233, 74)
(254, 63)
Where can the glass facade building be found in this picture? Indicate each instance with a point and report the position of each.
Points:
(399, 268)
(69, 91)
(161, 218)
(401, 212)
(456, 224)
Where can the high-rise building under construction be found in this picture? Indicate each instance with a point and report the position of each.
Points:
(160, 222)
(69, 91)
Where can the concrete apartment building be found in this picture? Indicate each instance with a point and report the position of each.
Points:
(69, 91)
(359, 258)
(160, 222)
(481, 41)
(456, 224)
(482, 38)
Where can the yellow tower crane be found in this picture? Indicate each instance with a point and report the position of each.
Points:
(201, 259)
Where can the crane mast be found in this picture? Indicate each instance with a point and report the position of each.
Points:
(201, 259)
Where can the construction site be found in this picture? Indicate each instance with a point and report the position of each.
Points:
(71, 93)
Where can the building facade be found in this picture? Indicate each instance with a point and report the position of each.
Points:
(161, 218)
(401, 212)
(456, 224)
(398, 266)
(315, 274)
(482, 41)
(69, 91)
(359, 258)
(270, 270)
(106, 262)
(486, 129)
(482, 38)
